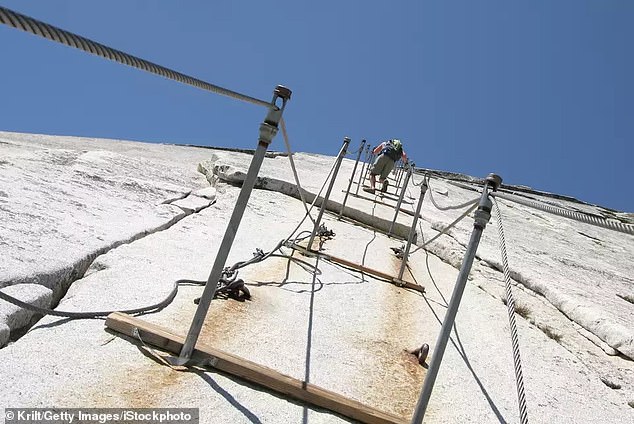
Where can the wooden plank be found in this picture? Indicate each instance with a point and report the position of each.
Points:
(250, 371)
(362, 268)
(385, 204)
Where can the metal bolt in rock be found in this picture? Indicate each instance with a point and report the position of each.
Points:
(354, 170)
(342, 153)
(400, 200)
(482, 216)
(412, 230)
(268, 130)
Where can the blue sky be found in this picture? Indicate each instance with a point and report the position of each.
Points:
(540, 92)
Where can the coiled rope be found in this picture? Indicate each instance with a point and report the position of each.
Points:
(577, 216)
(510, 304)
(33, 26)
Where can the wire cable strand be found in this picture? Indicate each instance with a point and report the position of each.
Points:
(42, 29)
(577, 216)
(448, 227)
(83, 315)
(292, 162)
(447, 208)
(510, 304)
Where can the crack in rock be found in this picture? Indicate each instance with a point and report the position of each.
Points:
(47, 289)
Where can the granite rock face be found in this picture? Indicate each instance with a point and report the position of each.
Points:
(65, 201)
(103, 225)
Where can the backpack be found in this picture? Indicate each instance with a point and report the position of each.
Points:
(392, 151)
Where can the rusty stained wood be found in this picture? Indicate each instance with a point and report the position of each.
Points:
(250, 371)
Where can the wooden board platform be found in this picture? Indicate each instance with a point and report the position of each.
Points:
(361, 268)
(250, 371)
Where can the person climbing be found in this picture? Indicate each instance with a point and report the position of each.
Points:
(388, 153)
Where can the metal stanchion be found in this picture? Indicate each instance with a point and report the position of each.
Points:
(268, 130)
(402, 173)
(362, 174)
(412, 231)
(354, 170)
(400, 200)
(482, 216)
(342, 153)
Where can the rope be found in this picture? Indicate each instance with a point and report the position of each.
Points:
(447, 208)
(33, 26)
(577, 216)
(447, 228)
(290, 158)
(519, 379)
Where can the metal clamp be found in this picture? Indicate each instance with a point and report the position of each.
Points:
(268, 128)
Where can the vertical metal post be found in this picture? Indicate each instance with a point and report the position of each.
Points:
(268, 130)
(354, 170)
(400, 201)
(482, 216)
(412, 230)
(408, 172)
(400, 175)
(342, 153)
(362, 174)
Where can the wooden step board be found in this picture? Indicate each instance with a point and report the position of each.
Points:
(250, 371)
(365, 269)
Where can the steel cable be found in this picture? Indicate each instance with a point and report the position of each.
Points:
(517, 362)
(292, 162)
(312, 205)
(447, 208)
(83, 315)
(33, 26)
(448, 227)
(577, 216)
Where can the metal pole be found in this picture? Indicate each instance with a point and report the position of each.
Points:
(342, 153)
(268, 130)
(482, 216)
(354, 170)
(362, 174)
(400, 175)
(412, 231)
(401, 171)
(400, 201)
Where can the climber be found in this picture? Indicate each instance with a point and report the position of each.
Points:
(388, 153)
